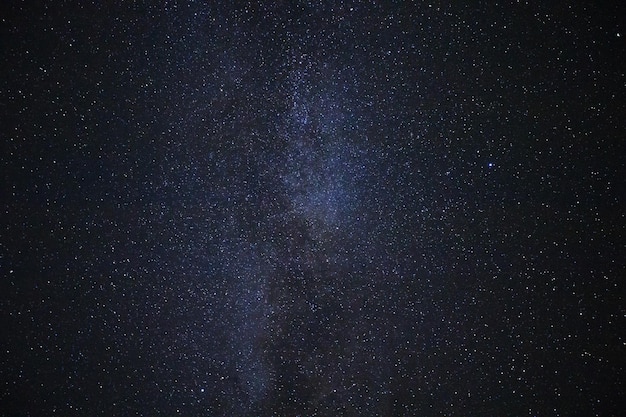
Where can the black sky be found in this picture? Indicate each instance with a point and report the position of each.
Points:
(312, 208)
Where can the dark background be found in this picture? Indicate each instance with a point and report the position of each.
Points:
(331, 209)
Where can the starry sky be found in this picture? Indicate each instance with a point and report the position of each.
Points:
(311, 208)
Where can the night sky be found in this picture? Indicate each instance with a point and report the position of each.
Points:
(312, 209)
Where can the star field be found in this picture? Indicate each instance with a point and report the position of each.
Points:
(312, 209)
